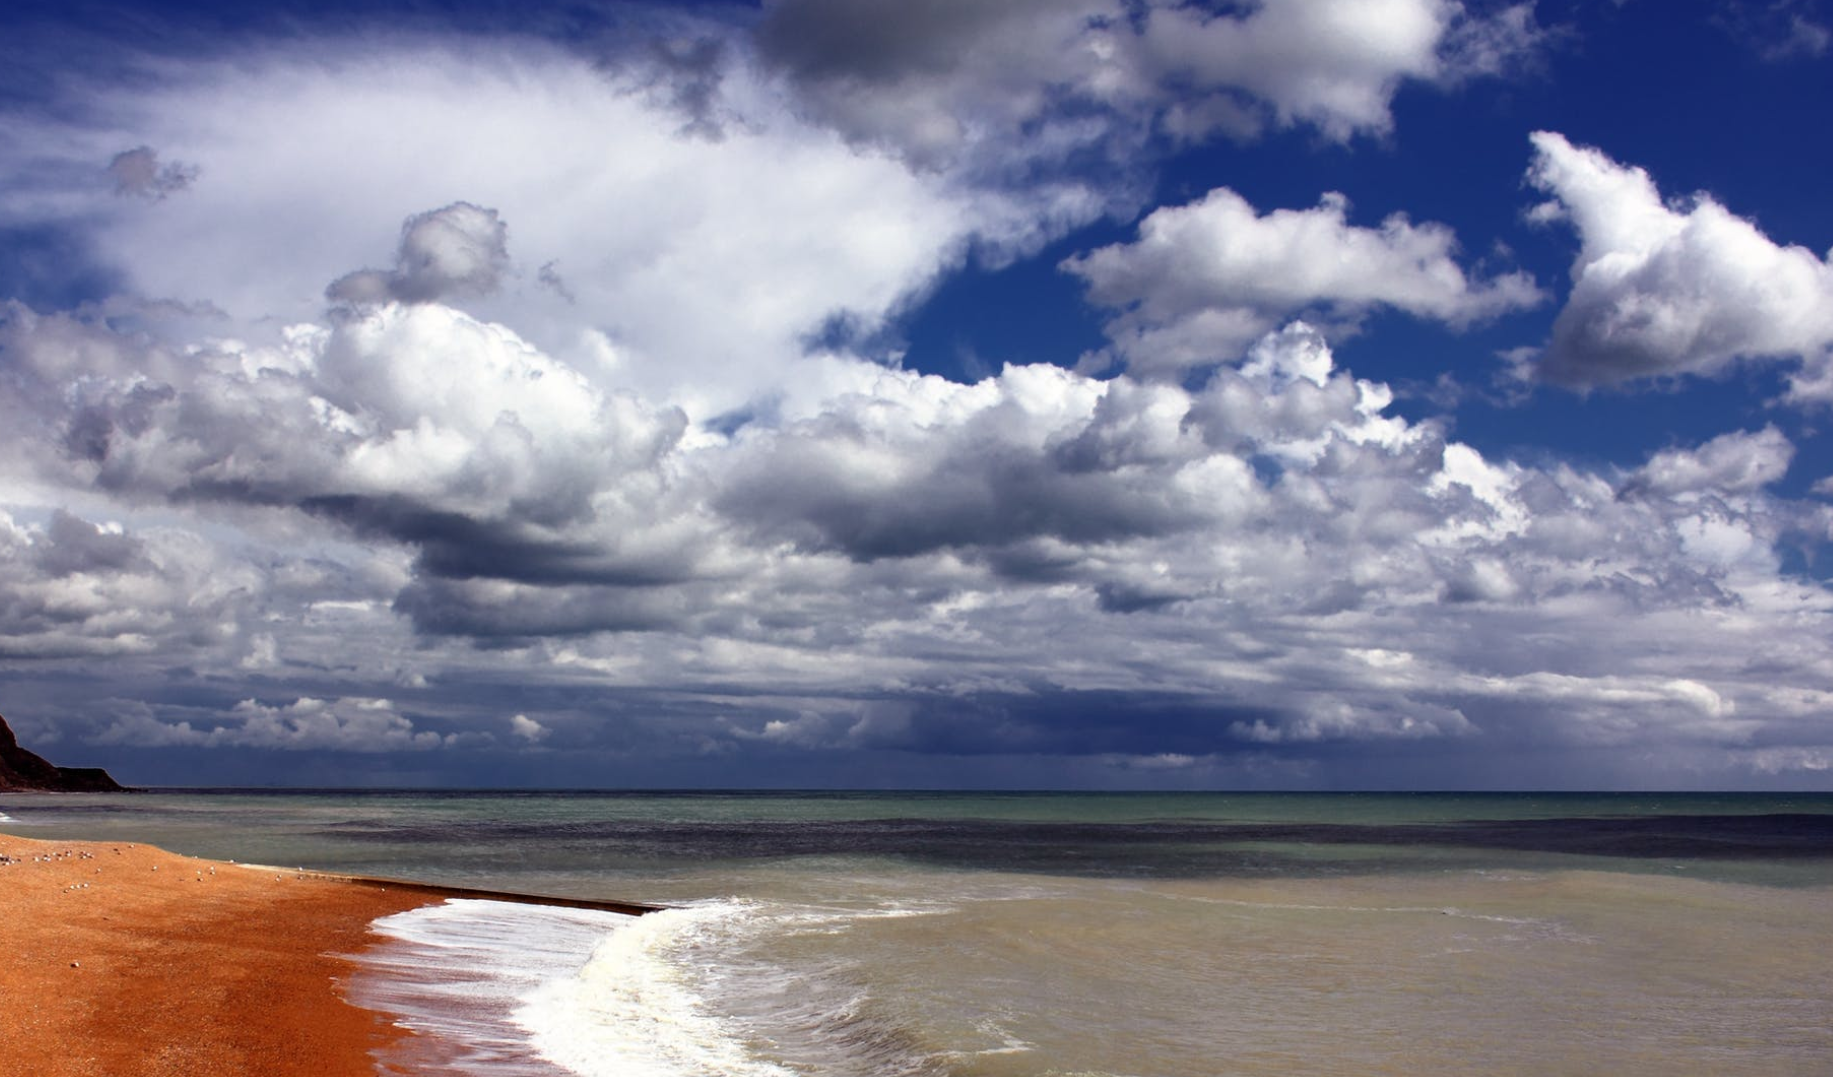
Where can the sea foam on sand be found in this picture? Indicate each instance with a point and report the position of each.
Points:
(505, 990)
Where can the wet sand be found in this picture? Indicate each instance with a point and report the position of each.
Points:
(119, 960)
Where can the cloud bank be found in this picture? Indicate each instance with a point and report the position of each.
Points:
(545, 461)
(915, 565)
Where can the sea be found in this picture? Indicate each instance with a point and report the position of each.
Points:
(1061, 935)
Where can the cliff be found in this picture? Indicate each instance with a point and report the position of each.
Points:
(23, 770)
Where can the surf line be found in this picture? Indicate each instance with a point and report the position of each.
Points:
(437, 890)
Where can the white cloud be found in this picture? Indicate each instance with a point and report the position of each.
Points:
(458, 250)
(528, 729)
(1662, 289)
(696, 267)
(307, 724)
(76, 588)
(1334, 63)
(417, 423)
(923, 464)
(350, 725)
(1736, 462)
(1203, 280)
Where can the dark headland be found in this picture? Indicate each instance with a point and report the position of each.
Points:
(21, 770)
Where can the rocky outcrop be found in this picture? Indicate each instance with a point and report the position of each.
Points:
(23, 770)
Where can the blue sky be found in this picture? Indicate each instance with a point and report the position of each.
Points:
(1050, 393)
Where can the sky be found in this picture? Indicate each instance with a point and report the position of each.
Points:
(1075, 394)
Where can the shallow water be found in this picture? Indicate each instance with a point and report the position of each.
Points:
(1035, 935)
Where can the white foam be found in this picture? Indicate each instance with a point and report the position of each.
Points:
(455, 973)
(634, 1009)
(502, 990)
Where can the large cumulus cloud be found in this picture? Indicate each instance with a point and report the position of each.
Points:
(414, 422)
(1661, 289)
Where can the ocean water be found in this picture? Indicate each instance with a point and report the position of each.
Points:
(1099, 935)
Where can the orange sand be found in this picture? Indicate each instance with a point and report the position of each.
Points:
(119, 960)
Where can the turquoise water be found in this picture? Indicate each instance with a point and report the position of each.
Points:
(1088, 934)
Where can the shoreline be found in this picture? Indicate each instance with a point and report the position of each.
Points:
(125, 960)
(440, 891)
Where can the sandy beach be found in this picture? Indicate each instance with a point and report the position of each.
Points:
(128, 960)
